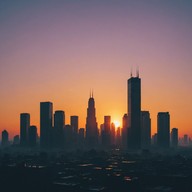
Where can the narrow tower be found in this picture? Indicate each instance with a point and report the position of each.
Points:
(134, 112)
(91, 124)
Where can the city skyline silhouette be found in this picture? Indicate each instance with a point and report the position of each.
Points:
(134, 133)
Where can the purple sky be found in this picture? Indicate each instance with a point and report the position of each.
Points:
(57, 50)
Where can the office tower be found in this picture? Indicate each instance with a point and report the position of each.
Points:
(59, 123)
(134, 113)
(112, 133)
(174, 137)
(5, 138)
(68, 136)
(81, 136)
(24, 126)
(145, 130)
(91, 124)
(100, 137)
(74, 124)
(124, 130)
(16, 140)
(154, 140)
(118, 137)
(163, 130)
(106, 131)
(32, 136)
(46, 113)
(81, 133)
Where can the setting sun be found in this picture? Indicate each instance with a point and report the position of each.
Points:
(117, 123)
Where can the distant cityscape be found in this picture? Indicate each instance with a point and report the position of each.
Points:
(135, 133)
(66, 157)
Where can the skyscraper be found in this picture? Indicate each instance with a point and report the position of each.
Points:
(46, 113)
(145, 130)
(174, 137)
(74, 124)
(5, 138)
(59, 123)
(163, 130)
(32, 136)
(24, 127)
(112, 134)
(124, 130)
(134, 112)
(91, 124)
(106, 131)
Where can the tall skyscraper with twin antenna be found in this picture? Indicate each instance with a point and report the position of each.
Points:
(134, 112)
(91, 124)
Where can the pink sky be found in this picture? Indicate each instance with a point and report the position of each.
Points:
(59, 50)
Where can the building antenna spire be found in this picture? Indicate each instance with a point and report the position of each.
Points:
(92, 93)
(131, 72)
(137, 72)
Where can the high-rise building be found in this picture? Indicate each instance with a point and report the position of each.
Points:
(81, 136)
(134, 113)
(154, 140)
(68, 136)
(16, 140)
(174, 137)
(32, 136)
(185, 140)
(124, 130)
(46, 115)
(74, 124)
(145, 130)
(163, 130)
(5, 138)
(24, 127)
(59, 123)
(118, 137)
(75, 127)
(91, 124)
(112, 133)
(106, 131)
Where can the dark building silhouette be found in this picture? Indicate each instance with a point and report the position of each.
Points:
(118, 137)
(24, 127)
(134, 112)
(174, 137)
(91, 124)
(32, 136)
(81, 136)
(106, 131)
(16, 140)
(185, 140)
(154, 140)
(46, 114)
(112, 133)
(82, 133)
(124, 130)
(5, 138)
(145, 130)
(163, 130)
(74, 123)
(68, 136)
(59, 123)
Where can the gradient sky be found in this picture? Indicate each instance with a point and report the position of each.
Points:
(58, 50)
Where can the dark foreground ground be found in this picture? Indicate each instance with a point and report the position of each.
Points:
(114, 171)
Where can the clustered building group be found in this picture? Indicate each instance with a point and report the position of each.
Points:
(134, 134)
